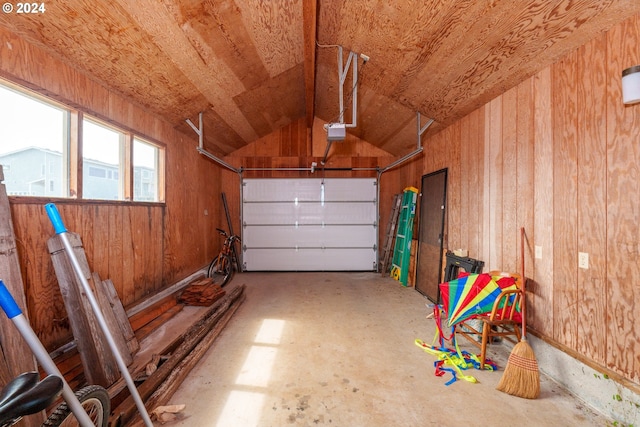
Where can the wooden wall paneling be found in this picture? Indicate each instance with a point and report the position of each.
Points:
(466, 161)
(100, 260)
(85, 229)
(525, 172)
(455, 212)
(119, 110)
(42, 299)
(510, 228)
(541, 292)
(493, 186)
(471, 169)
(623, 207)
(592, 192)
(127, 285)
(565, 265)
(479, 173)
(115, 247)
(139, 242)
(176, 198)
(156, 271)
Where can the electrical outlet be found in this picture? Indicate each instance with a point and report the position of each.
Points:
(583, 260)
(538, 252)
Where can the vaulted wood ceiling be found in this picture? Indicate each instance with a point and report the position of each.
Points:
(252, 66)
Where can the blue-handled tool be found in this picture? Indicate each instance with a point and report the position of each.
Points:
(56, 219)
(61, 230)
(14, 313)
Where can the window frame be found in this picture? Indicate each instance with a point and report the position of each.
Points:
(73, 159)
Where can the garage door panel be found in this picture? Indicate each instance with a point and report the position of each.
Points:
(330, 213)
(303, 190)
(310, 237)
(310, 260)
(309, 224)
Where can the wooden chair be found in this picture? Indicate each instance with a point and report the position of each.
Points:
(501, 322)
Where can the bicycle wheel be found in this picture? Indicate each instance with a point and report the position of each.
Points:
(220, 270)
(95, 401)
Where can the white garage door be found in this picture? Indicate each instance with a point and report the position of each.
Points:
(309, 224)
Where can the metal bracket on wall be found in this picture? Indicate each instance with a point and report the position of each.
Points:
(417, 151)
(200, 132)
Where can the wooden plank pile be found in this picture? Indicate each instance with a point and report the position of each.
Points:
(159, 377)
(201, 292)
(176, 360)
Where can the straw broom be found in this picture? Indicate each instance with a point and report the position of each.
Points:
(521, 376)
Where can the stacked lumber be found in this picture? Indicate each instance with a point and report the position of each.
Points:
(147, 321)
(178, 358)
(201, 292)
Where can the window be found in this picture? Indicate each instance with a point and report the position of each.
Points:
(34, 133)
(146, 158)
(102, 154)
(36, 152)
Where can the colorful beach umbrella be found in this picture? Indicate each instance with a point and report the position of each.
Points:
(472, 295)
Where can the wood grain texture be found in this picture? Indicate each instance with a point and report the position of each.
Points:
(15, 354)
(592, 193)
(510, 227)
(97, 360)
(232, 60)
(525, 171)
(541, 298)
(565, 199)
(623, 207)
(493, 235)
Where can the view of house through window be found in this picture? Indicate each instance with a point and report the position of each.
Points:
(102, 161)
(145, 171)
(34, 141)
(35, 144)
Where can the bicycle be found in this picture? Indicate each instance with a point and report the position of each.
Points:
(222, 267)
(26, 394)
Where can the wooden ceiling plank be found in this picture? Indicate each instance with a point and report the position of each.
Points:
(277, 31)
(165, 32)
(216, 31)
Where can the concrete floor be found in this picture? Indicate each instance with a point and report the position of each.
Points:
(309, 349)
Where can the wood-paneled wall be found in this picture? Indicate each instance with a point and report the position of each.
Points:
(559, 155)
(141, 247)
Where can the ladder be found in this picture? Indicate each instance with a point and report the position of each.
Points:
(391, 230)
(402, 248)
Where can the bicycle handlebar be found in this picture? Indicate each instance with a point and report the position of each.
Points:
(225, 234)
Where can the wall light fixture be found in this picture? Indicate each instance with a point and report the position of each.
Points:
(631, 85)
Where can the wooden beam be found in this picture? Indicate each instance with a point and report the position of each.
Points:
(309, 18)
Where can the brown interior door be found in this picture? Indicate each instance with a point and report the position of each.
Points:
(430, 236)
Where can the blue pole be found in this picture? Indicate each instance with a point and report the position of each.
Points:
(61, 230)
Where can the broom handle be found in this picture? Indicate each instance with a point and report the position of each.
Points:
(524, 281)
